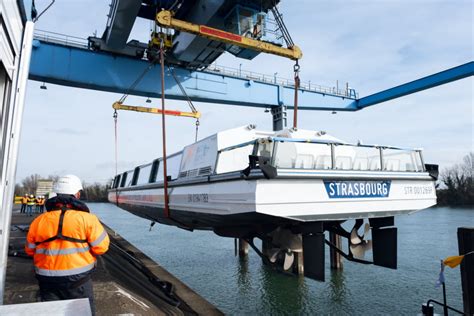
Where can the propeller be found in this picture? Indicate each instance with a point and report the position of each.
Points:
(285, 245)
(355, 238)
(273, 254)
(288, 260)
(358, 245)
(358, 251)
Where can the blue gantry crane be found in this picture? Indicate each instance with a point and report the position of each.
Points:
(110, 63)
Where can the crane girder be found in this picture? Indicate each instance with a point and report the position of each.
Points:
(84, 68)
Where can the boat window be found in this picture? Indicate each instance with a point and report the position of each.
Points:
(285, 155)
(362, 158)
(302, 156)
(265, 149)
(144, 175)
(154, 171)
(159, 174)
(401, 160)
(318, 156)
(124, 178)
(136, 172)
(173, 164)
(116, 181)
(234, 160)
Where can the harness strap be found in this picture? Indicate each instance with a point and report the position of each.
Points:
(60, 235)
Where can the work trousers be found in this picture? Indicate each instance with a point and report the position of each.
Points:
(23, 208)
(51, 292)
(29, 210)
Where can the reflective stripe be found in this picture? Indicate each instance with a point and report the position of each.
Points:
(99, 239)
(46, 272)
(56, 252)
(31, 246)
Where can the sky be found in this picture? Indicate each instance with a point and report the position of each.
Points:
(373, 45)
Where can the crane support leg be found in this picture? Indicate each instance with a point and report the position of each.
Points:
(279, 117)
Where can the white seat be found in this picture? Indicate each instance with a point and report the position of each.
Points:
(343, 162)
(361, 164)
(374, 164)
(304, 161)
(392, 165)
(323, 162)
(284, 162)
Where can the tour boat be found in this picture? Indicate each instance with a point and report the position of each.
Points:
(246, 183)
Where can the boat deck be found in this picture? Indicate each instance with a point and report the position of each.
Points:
(121, 283)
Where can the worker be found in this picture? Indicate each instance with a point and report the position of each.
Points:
(37, 203)
(29, 205)
(64, 242)
(24, 201)
(40, 204)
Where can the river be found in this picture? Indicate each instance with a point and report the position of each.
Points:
(206, 263)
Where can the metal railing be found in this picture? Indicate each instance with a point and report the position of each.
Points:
(285, 82)
(67, 40)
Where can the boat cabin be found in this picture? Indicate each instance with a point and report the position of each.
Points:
(298, 150)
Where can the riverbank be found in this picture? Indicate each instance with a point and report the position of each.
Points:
(126, 280)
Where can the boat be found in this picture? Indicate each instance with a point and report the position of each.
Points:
(282, 187)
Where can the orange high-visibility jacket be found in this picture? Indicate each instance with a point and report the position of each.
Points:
(24, 200)
(61, 257)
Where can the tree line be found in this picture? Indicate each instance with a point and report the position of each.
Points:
(95, 192)
(456, 187)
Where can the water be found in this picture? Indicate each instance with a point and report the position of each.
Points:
(206, 263)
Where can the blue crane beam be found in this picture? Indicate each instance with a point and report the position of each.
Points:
(446, 76)
(83, 68)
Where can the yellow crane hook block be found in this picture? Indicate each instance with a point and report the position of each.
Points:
(120, 106)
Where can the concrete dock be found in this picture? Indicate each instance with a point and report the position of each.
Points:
(126, 280)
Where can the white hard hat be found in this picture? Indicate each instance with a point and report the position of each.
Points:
(68, 184)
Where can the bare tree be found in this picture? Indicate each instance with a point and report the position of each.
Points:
(95, 192)
(19, 191)
(459, 183)
(30, 183)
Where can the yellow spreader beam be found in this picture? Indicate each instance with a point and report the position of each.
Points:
(120, 106)
(165, 19)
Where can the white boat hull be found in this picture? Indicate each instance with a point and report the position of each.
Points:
(302, 199)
